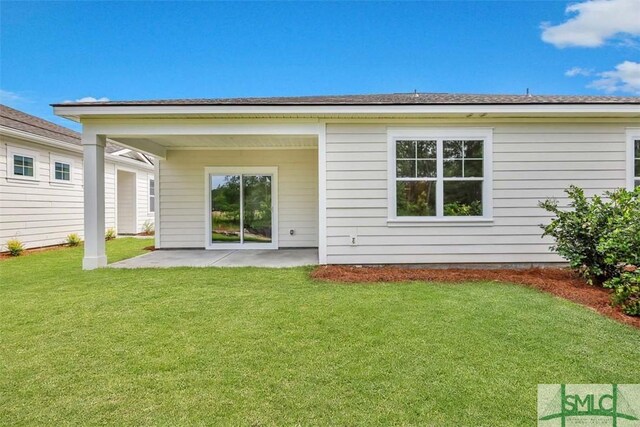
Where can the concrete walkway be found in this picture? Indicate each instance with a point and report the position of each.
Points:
(221, 258)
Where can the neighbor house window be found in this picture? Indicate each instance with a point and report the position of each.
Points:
(23, 165)
(152, 195)
(62, 171)
(633, 158)
(439, 174)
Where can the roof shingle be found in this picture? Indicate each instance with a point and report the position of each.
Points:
(383, 99)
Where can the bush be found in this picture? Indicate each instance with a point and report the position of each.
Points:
(110, 234)
(600, 238)
(626, 290)
(15, 247)
(147, 228)
(596, 235)
(73, 239)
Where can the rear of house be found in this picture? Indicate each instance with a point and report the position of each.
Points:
(374, 179)
(41, 183)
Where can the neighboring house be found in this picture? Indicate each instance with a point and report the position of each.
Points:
(41, 183)
(373, 179)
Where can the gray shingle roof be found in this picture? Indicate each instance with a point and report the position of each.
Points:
(15, 119)
(385, 99)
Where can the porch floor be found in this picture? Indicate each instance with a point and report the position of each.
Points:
(222, 258)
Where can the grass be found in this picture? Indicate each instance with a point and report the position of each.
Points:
(271, 347)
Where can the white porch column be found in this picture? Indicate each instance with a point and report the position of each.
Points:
(94, 247)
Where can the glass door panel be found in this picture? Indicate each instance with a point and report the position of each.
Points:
(256, 208)
(225, 209)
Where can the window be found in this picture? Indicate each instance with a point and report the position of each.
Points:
(22, 165)
(62, 171)
(152, 195)
(439, 174)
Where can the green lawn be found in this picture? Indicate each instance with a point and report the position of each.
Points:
(271, 347)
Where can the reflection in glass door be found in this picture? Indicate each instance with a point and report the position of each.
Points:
(241, 208)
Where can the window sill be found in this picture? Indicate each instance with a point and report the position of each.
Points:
(61, 183)
(410, 222)
(19, 179)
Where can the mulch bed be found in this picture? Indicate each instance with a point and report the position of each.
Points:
(557, 281)
(7, 255)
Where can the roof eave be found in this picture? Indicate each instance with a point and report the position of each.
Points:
(78, 112)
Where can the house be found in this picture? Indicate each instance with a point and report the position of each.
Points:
(367, 179)
(41, 183)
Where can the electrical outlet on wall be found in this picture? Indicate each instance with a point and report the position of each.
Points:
(353, 240)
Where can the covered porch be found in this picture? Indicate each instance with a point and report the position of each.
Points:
(226, 193)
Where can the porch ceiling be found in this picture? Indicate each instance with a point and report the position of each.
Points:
(220, 141)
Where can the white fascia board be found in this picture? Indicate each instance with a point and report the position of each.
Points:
(50, 142)
(77, 112)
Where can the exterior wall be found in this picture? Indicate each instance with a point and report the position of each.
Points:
(44, 212)
(531, 162)
(182, 193)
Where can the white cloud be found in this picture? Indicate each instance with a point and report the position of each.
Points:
(596, 21)
(578, 71)
(625, 78)
(8, 97)
(89, 99)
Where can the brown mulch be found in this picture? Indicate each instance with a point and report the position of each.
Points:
(149, 248)
(557, 281)
(7, 255)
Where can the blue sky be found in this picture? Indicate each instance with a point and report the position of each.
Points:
(57, 51)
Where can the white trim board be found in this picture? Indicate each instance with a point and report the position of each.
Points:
(633, 134)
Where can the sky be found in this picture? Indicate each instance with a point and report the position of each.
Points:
(67, 51)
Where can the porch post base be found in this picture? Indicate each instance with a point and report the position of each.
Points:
(91, 263)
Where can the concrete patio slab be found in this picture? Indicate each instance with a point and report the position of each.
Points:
(166, 258)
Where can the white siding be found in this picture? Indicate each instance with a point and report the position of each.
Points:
(44, 212)
(531, 162)
(126, 209)
(181, 191)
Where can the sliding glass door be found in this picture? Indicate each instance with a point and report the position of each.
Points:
(241, 209)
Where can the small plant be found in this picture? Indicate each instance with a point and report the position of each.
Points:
(73, 239)
(147, 228)
(110, 234)
(15, 247)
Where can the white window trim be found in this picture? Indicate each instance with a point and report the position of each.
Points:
(12, 151)
(426, 133)
(155, 191)
(53, 158)
(267, 170)
(632, 135)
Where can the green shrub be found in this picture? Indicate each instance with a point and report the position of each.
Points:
(147, 227)
(600, 237)
(598, 234)
(73, 239)
(626, 290)
(110, 234)
(15, 247)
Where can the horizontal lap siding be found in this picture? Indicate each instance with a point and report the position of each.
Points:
(142, 192)
(531, 162)
(182, 203)
(43, 212)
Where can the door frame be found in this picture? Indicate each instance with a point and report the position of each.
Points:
(241, 170)
(135, 199)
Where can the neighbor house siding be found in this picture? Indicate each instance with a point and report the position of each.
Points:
(44, 212)
(182, 193)
(531, 162)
